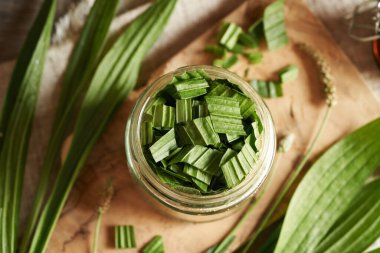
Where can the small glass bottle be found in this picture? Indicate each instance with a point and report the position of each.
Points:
(197, 208)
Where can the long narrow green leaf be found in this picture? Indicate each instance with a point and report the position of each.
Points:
(16, 122)
(114, 78)
(359, 226)
(75, 82)
(221, 248)
(327, 189)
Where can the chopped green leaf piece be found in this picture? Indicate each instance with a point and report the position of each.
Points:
(288, 73)
(274, 89)
(184, 110)
(125, 237)
(146, 133)
(198, 174)
(200, 110)
(198, 132)
(221, 90)
(247, 107)
(237, 145)
(261, 87)
(163, 116)
(217, 50)
(226, 125)
(237, 49)
(274, 25)
(218, 63)
(223, 106)
(233, 172)
(178, 175)
(257, 29)
(176, 167)
(194, 74)
(248, 154)
(162, 148)
(235, 169)
(200, 157)
(230, 61)
(191, 88)
(227, 156)
(232, 137)
(156, 245)
(155, 101)
(270, 89)
(168, 178)
(229, 35)
(254, 57)
(248, 40)
(201, 185)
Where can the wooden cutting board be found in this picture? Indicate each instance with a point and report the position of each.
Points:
(298, 112)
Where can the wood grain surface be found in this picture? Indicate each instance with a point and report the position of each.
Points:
(299, 112)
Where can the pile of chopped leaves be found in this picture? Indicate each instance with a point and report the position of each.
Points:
(201, 134)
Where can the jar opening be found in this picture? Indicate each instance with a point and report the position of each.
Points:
(179, 199)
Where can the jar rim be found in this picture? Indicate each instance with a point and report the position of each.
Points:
(181, 200)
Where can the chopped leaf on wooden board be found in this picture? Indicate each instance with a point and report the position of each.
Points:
(217, 50)
(257, 29)
(274, 25)
(226, 62)
(331, 176)
(267, 89)
(248, 40)
(254, 57)
(115, 76)
(229, 35)
(125, 237)
(156, 245)
(16, 119)
(81, 65)
(289, 73)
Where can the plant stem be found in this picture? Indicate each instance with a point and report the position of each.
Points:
(288, 184)
(97, 231)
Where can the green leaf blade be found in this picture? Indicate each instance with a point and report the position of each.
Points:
(114, 78)
(318, 214)
(16, 122)
(359, 226)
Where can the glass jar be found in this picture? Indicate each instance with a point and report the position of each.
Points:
(190, 206)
